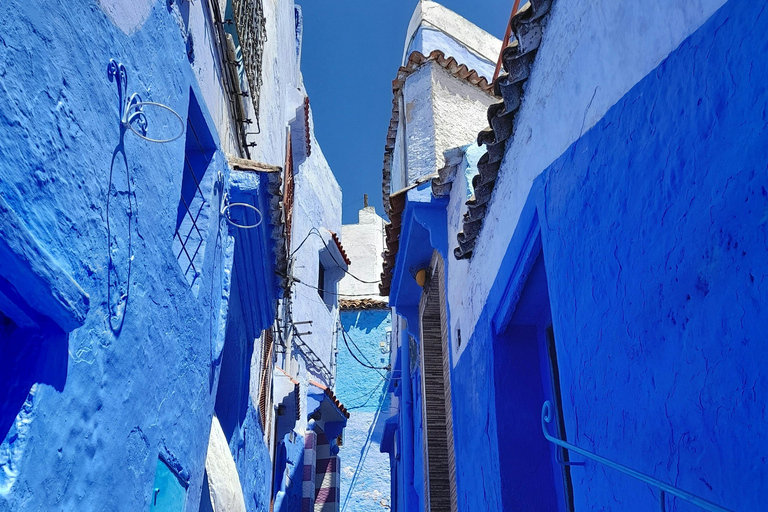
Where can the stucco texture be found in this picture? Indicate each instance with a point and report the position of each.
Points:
(591, 54)
(361, 388)
(653, 228)
(136, 380)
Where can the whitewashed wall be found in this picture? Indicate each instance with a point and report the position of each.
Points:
(280, 80)
(591, 55)
(364, 243)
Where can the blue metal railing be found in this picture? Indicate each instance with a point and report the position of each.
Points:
(664, 489)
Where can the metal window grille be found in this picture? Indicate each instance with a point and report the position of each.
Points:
(189, 237)
(252, 34)
(265, 386)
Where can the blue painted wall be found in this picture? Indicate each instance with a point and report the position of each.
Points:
(654, 240)
(361, 390)
(138, 379)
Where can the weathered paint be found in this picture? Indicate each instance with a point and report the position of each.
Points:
(438, 111)
(653, 232)
(362, 388)
(137, 379)
(591, 55)
(318, 200)
(467, 43)
(364, 244)
(441, 113)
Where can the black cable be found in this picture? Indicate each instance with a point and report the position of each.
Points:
(363, 394)
(302, 242)
(315, 231)
(337, 262)
(369, 365)
(334, 293)
(344, 335)
(370, 395)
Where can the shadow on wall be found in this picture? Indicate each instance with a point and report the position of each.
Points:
(120, 213)
(232, 393)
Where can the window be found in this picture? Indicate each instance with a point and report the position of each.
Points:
(265, 385)
(329, 272)
(321, 281)
(194, 207)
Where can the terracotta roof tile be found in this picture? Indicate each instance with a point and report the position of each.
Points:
(337, 240)
(415, 61)
(517, 58)
(332, 396)
(346, 304)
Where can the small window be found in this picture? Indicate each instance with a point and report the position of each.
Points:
(321, 281)
(194, 207)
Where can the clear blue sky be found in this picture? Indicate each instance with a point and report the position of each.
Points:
(350, 55)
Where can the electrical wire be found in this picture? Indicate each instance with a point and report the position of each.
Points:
(366, 448)
(369, 365)
(346, 333)
(334, 293)
(316, 231)
(367, 396)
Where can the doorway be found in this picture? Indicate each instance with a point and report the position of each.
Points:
(533, 474)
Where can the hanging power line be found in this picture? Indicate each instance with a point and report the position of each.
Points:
(367, 396)
(364, 452)
(369, 365)
(315, 231)
(334, 293)
(345, 335)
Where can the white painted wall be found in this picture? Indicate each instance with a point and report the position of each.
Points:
(364, 244)
(317, 204)
(281, 80)
(419, 129)
(458, 270)
(592, 54)
(435, 16)
(459, 112)
(441, 112)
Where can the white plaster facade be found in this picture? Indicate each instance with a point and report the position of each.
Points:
(472, 39)
(282, 89)
(317, 195)
(439, 111)
(364, 243)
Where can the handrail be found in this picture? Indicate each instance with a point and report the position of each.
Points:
(547, 416)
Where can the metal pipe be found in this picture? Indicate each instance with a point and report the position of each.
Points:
(504, 44)
(546, 417)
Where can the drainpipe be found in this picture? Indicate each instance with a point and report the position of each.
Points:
(406, 411)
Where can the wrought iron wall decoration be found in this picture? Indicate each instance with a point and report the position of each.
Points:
(225, 212)
(132, 115)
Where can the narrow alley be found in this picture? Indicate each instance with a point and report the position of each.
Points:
(556, 304)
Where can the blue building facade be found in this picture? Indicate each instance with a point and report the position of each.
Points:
(618, 281)
(145, 254)
(363, 367)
